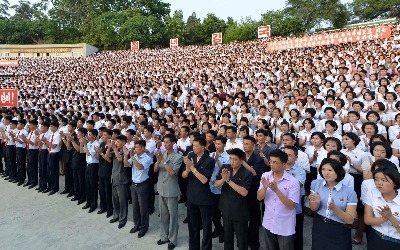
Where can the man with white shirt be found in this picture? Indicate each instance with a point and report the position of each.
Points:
(10, 157)
(233, 141)
(92, 169)
(54, 147)
(21, 152)
(33, 154)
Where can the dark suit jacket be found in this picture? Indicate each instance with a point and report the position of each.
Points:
(105, 167)
(119, 175)
(258, 165)
(233, 205)
(197, 192)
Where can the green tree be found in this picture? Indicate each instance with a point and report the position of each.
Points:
(175, 27)
(211, 24)
(193, 25)
(366, 10)
(244, 31)
(317, 13)
(4, 6)
(282, 24)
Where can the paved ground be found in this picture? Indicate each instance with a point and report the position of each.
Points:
(32, 220)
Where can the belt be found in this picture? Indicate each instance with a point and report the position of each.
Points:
(385, 237)
(333, 222)
(54, 152)
(141, 183)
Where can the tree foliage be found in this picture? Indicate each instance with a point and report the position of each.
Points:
(366, 10)
(113, 24)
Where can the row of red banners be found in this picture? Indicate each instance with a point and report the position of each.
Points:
(216, 38)
(355, 35)
(8, 63)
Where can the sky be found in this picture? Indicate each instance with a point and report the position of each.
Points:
(221, 8)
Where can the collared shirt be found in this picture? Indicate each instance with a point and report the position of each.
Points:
(45, 135)
(183, 143)
(19, 136)
(10, 141)
(375, 200)
(223, 159)
(55, 140)
(300, 174)
(342, 195)
(32, 137)
(92, 157)
(357, 157)
(236, 144)
(151, 147)
(130, 145)
(322, 154)
(141, 175)
(393, 132)
(278, 219)
(348, 180)
(302, 161)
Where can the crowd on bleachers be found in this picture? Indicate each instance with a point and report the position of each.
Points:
(250, 140)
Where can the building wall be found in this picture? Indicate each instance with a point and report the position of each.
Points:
(47, 50)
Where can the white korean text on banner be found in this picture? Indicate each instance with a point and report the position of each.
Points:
(135, 45)
(174, 43)
(356, 35)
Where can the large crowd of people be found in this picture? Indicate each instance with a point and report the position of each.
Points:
(248, 139)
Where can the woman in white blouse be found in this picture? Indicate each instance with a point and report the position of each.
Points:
(382, 210)
(394, 131)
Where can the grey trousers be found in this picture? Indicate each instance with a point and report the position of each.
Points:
(278, 242)
(120, 202)
(169, 218)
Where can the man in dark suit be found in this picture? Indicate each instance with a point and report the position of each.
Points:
(78, 165)
(199, 169)
(105, 168)
(234, 179)
(119, 180)
(255, 164)
(66, 148)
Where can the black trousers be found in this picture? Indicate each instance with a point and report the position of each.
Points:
(309, 178)
(53, 171)
(216, 214)
(197, 213)
(255, 220)
(43, 174)
(6, 163)
(92, 184)
(68, 173)
(12, 161)
(298, 237)
(79, 183)
(32, 169)
(238, 228)
(21, 164)
(105, 191)
(182, 182)
(375, 241)
(1, 157)
(140, 201)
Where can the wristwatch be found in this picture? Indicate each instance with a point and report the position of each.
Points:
(227, 181)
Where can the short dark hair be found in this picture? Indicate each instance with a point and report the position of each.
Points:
(390, 172)
(233, 128)
(141, 143)
(294, 149)
(337, 167)
(201, 140)
(171, 137)
(251, 138)
(385, 145)
(222, 139)
(94, 132)
(334, 139)
(381, 163)
(238, 152)
(283, 157)
(353, 137)
(123, 138)
(149, 128)
(342, 157)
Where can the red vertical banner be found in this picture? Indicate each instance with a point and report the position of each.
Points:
(135, 45)
(216, 38)
(264, 31)
(8, 98)
(173, 43)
